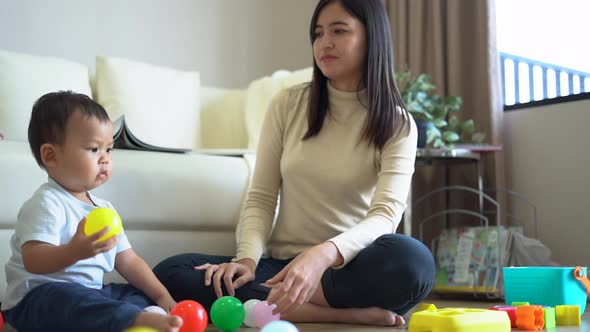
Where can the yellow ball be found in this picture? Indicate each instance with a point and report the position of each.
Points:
(100, 218)
(140, 329)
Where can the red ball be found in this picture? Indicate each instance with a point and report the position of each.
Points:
(193, 315)
(1, 321)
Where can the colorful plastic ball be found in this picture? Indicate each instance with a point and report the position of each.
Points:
(249, 307)
(279, 326)
(194, 316)
(1, 321)
(262, 314)
(155, 309)
(100, 218)
(227, 313)
(139, 329)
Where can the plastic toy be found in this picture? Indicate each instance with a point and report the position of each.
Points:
(511, 311)
(547, 286)
(567, 315)
(193, 315)
(579, 274)
(459, 320)
(426, 306)
(100, 218)
(549, 317)
(262, 314)
(249, 307)
(279, 326)
(227, 313)
(1, 321)
(518, 304)
(155, 309)
(529, 317)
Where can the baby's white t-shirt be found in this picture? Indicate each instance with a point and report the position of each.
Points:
(52, 216)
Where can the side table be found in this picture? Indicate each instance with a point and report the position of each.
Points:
(445, 157)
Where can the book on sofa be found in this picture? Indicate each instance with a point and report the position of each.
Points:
(124, 139)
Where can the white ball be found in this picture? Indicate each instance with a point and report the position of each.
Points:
(156, 309)
(279, 326)
(249, 306)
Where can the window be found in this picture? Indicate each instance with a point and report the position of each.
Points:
(543, 52)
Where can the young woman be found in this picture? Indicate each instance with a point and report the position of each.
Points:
(341, 153)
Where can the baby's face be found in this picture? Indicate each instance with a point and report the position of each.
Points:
(84, 159)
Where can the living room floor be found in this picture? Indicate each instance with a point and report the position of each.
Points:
(439, 304)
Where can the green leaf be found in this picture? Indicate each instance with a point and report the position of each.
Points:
(421, 96)
(438, 143)
(450, 136)
(468, 126)
(478, 137)
(440, 123)
(454, 103)
(453, 122)
(432, 134)
(402, 76)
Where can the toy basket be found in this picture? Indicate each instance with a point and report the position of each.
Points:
(469, 259)
(547, 285)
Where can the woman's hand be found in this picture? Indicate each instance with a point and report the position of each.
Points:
(298, 281)
(243, 269)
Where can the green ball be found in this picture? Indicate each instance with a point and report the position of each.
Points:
(227, 313)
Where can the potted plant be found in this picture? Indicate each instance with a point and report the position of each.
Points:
(435, 116)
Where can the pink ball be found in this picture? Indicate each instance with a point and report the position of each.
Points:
(262, 314)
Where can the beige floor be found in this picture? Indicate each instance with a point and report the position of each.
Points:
(439, 303)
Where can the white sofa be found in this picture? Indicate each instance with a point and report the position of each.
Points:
(169, 203)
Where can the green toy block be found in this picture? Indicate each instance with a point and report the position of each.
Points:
(549, 316)
(518, 304)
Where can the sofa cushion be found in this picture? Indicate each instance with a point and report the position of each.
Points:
(259, 94)
(160, 105)
(222, 118)
(25, 78)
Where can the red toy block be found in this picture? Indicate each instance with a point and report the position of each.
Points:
(510, 310)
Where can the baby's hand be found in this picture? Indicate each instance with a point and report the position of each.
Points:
(86, 246)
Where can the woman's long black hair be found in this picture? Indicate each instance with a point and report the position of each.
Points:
(383, 118)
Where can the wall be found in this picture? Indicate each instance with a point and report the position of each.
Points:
(230, 42)
(547, 160)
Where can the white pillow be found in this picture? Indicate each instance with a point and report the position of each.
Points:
(160, 105)
(260, 93)
(24, 78)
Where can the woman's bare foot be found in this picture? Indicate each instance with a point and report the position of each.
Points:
(375, 316)
(313, 313)
(163, 323)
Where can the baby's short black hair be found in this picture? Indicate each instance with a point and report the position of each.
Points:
(50, 116)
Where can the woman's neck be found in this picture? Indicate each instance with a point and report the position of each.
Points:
(347, 86)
